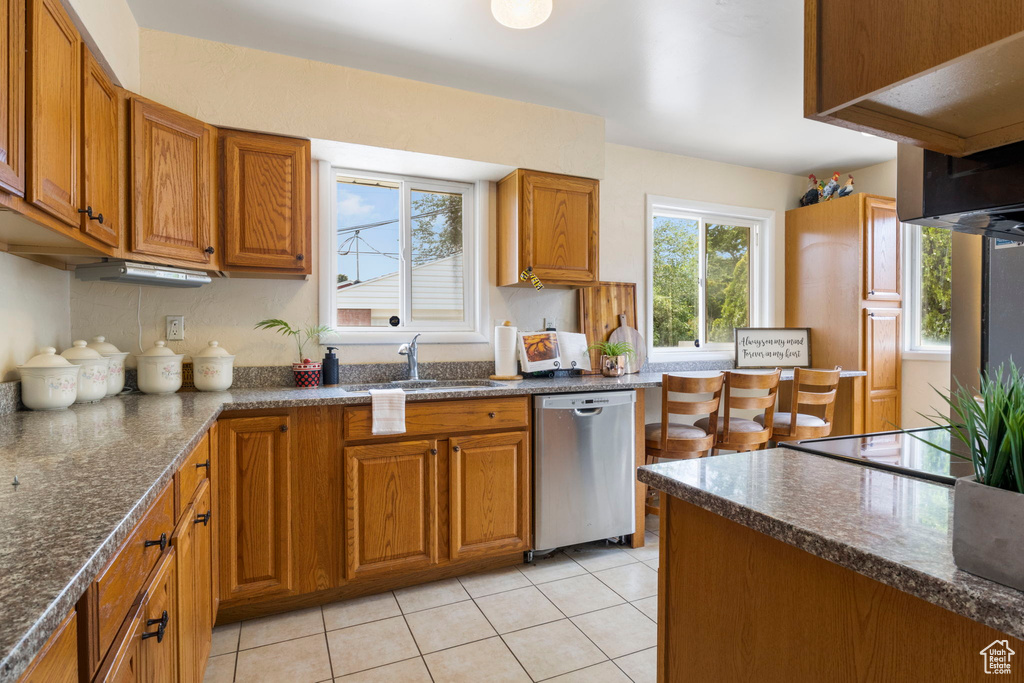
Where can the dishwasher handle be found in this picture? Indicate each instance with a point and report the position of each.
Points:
(587, 412)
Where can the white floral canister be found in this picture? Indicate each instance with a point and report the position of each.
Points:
(159, 369)
(213, 368)
(92, 380)
(48, 381)
(115, 373)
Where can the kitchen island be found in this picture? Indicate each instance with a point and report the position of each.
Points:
(779, 565)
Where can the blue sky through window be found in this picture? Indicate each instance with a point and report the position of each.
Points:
(377, 246)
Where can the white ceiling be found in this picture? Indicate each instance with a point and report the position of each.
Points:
(716, 79)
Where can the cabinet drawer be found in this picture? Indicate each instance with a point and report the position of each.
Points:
(191, 474)
(445, 417)
(119, 583)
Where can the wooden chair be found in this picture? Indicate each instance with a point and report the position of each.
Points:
(673, 441)
(804, 424)
(741, 434)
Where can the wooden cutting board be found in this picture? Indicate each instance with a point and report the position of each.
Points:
(600, 308)
(627, 333)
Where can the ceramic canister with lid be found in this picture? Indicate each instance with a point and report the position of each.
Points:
(48, 381)
(159, 369)
(213, 368)
(92, 380)
(115, 373)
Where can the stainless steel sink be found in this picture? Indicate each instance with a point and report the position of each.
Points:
(424, 386)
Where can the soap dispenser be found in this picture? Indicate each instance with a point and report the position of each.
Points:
(330, 367)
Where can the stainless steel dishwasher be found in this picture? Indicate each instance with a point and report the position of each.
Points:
(584, 481)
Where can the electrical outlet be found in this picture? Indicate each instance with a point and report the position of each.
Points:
(175, 328)
(551, 323)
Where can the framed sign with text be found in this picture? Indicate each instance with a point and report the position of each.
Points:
(773, 347)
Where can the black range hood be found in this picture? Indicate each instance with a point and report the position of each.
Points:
(982, 194)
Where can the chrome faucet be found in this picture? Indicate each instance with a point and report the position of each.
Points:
(409, 351)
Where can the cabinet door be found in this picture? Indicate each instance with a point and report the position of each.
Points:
(559, 229)
(12, 96)
(57, 662)
(883, 365)
(54, 92)
(171, 171)
(490, 494)
(265, 188)
(158, 646)
(254, 523)
(882, 250)
(101, 178)
(124, 662)
(195, 625)
(391, 501)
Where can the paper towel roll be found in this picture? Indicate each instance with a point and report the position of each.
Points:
(505, 348)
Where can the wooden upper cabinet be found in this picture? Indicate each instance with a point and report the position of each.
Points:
(12, 96)
(881, 250)
(392, 499)
(172, 169)
(265, 189)
(940, 74)
(490, 494)
(54, 119)
(548, 223)
(254, 523)
(101, 158)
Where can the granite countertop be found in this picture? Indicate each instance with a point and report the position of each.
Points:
(88, 474)
(895, 529)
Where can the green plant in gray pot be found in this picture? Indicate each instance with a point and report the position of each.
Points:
(613, 356)
(988, 506)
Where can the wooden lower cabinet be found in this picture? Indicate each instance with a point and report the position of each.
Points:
(255, 507)
(882, 328)
(490, 494)
(192, 542)
(392, 506)
(57, 662)
(146, 647)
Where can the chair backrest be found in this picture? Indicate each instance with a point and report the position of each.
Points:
(827, 384)
(684, 384)
(754, 381)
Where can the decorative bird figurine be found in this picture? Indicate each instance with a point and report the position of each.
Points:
(831, 187)
(811, 196)
(846, 189)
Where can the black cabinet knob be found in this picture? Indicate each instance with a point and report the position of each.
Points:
(205, 519)
(433, 451)
(99, 218)
(456, 449)
(491, 415)
(204, 464)
(284, 428)
(161, 626)
(300, 257)
(208, 250)
(162, 542)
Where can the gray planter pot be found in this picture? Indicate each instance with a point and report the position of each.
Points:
(987, 538)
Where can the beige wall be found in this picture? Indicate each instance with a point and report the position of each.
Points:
(33, 311)
(245, 88)
(112, 33)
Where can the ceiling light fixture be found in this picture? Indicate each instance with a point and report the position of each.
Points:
(521, 13)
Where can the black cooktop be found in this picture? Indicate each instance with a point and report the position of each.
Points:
(908, 452)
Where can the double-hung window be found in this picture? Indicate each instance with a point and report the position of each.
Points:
(403, 258)
(705, 273)
(928, 289)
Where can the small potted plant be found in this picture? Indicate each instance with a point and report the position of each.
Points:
(988, 506)
(613, 357)
(306, 371)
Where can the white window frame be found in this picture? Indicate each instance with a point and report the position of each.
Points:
(913, 348)
(762, 289)
(474, 215)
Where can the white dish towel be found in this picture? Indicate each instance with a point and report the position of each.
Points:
(388, 406)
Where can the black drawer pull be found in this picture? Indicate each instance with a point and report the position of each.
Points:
(208, 250)
(161, 626)
(205, 519)
(204, 464)
(162, 542)
(492, 415)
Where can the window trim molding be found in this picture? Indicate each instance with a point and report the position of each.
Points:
(762, 296)
(912, 348)
(475, 245)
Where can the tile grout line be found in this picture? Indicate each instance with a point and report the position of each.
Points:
(327, 642)
(499, 635)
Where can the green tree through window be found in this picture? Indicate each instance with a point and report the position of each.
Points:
(936, 285)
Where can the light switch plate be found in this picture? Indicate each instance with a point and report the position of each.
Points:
(175, 328)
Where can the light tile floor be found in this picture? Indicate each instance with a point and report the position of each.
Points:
(586, 614)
